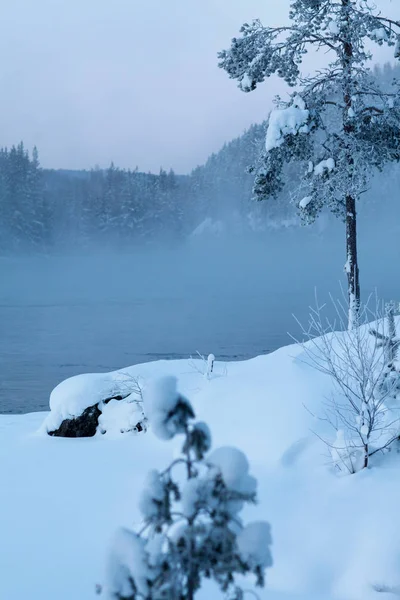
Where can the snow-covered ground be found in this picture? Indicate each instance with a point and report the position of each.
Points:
(333, 537)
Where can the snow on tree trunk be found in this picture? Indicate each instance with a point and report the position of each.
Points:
(352, 262)
(351, 215)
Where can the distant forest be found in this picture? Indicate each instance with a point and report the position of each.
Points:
(41, 209)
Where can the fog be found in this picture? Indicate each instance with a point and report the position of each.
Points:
(61, 315)
(133, 82)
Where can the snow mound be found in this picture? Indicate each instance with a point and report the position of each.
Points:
(121, 416)
(74, 395)
(62, 500)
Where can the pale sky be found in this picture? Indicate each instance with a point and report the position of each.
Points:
(129, 81)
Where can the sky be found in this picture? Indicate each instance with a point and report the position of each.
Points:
(129, 81)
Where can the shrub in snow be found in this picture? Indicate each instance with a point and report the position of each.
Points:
(388, 340)
(389, 385)
(361, 410)
(206, 367)
(340, 118)
(192, 527)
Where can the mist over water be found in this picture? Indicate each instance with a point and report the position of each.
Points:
(61, 315)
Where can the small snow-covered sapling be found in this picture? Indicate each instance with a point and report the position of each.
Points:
(210, 365)
(192, 528)
(206, 366)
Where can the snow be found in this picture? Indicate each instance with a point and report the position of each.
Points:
(120, 416)
(286, 121)
(246, 83)
(160, 399)
(252, 544)
(63, 500)
(126, 556)
(324, 166)
(210, 364)
(191, 493)
(379, 34)
(397, 48)
(205, 430)
(233, 466)
(333, 27)
(305, 202)
(152, 493)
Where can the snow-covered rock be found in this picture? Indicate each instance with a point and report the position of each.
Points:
(89, 403)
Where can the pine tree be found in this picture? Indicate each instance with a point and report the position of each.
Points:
(341, 125)
(37, 210)
(192, 528)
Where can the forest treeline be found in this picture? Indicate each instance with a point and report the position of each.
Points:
(41, 209)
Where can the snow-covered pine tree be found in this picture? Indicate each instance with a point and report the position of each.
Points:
(192, 528)
(39, 217)
(340, 123)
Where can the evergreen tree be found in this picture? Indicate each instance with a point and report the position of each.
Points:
(39, 214)
(340, 125)
(192, 528)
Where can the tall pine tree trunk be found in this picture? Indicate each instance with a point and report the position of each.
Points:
(353, 283)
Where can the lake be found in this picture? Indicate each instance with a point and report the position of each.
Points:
(69, 314)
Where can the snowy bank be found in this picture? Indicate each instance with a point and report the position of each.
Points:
(62, 500)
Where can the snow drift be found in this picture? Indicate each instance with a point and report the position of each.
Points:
(333, 537)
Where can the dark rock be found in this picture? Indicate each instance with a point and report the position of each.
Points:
(87, 423)
(83, 426)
